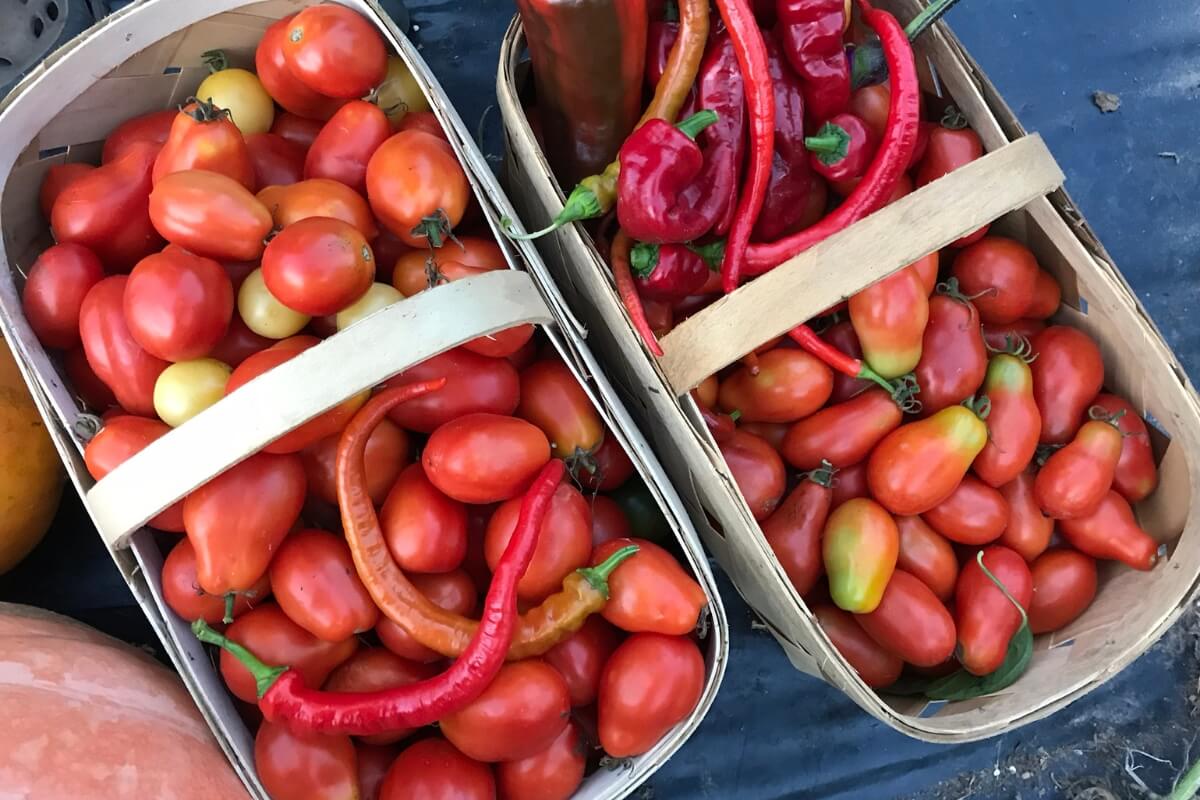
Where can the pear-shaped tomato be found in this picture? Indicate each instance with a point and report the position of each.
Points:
(889, 318)
(1064, 585)
(1028, 530)
(1137, 474)
(1067, 376)
(842, 434)
(1014, 422)
(1075, 479)
(928, 555)
(953, 357)
(973, 514)
(758, 471)
(860, 547)
(794, 530)
(204, 137)
(1110, 531)
(874, 664)
(788, 384)
(985, 618)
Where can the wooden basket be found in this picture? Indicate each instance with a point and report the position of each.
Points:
(1016, 183)
(149, 58)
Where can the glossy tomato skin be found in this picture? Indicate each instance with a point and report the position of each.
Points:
(1001, 275)
(295, 128)
(119, 439)
(758, 470)
(425, 121)
(152, 128)
(553, 774)
(1029, 530)
(209, 214)
(386, 457)
(485, 458)
(1137, 474)
(181, 589)
(374, 761)
(859, 547)
(1047, 297)
(346, 143)
(1014, 422)
(54, 290)
(474, 384)
(580, 658)
(106, 210)
(650, 684)
(1112, 532)
(434, 768)
(911, 622)
(413, 175)
(985, 618)
(411, 274)
(453, 591)
(790, 385)
(1002, 337)
(112, 352)
(376, 669)
(178, 305)
(889, 319)
(424, 529)
(318, 266)
(334, 51)
(954, 359)
(58, 177)
(849, 483)
(268, 633)
(276, 161)
(650, 591)
(949, 149)
(238, 519)
(523, 710)
(1067, 376)
(843, 434)
(875, 665)
(318, 197)
(552, 399)
(609, 521)
(315, 584)
(773, 433)
(564, 542)
(284, 87)
(239, 343)
(794, 533)
(928, 555)
(973, 514)
(920, 464)
(312, 767)
(1064, 585)
(87, 385)
(205, 140)
(1075, 479)
(612, 466)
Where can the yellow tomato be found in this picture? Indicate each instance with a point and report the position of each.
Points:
(265, 315)
(186, 388)
(399, 92)
(380, 295)
(239, 91)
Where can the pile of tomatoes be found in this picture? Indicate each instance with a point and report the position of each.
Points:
(219, 240)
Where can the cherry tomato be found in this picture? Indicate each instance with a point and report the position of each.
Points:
(453, 591)
(609, 466)
(1112, 532)
(318, 266)
(279, 81)
(204, 137)
(553, 399)
(311, 767)
(485, 458)
(842, 336)
(386, 456)
(181, 589)
(520, 714)
(315, 584)
(986, 620)
(1137, 474)
(209, 214)
(424, 121)
(276, 161)
(927, 555)
(564, 544)
(334, 51)
(875, 665)
(758, 471)
(377, 297)
(954, 359)
(425, 530)
(1067, 376)
(1014, 422)
(1029, 530)
(1047, 297)
(93, 392)
(263, 314)
(889, 319)
(843, 434)
(58, 281)
(268, 633)
(608, 521)
(920, 464)
(375, 669)
(434, 768)
(650, 684)
(240, 92)
(413, 272)
(300, 130)
(105, 210)
(860, 544)
(553, 774)
(1064, 585)
(346, 143)
(413, 177)
(112, 352)
(59, 177)
(949, 149)
(186, 388)
(1000, 275)
(328, 423)
(400, 95)
(178, 305)
(870, 104)
(790, 385)
(911, 622)
(474, 383)
(580, 658)
(650, 591)
(119, 439)
(1076, 478)
(153, 128)
(794, 531)
(974, 513)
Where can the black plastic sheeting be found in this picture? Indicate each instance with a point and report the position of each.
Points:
(773, 732)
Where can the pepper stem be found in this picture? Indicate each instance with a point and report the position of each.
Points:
(264, 675)
(923, 21)
(713, 253)
(867, 374)
(697, 122)
(582, 204)
(868, 65)
(643, 258)
(598, 575)
(831, 143)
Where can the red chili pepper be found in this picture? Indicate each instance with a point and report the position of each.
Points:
(842, 148)
(671, 272)
(891, 160)
(284, 697)
(623, 277)
(812, 40)
(868, 66)
(663, 178)
(902, 390)
(720, 88)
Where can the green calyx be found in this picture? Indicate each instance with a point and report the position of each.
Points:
(712, 253)
(904, 391)
(598, 575)
(264, 674)
(1101, 414)
(643, 258)
(823, 475)
(697, 122)
(215, 60)
(1015, 345)
(831, 144)
(582, 204)
(205, 110)
(954, 119)
(435, 229)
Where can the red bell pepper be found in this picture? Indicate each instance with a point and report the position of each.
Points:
(671, 272)
(812, 41)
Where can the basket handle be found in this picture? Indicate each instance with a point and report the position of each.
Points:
(894, 237)
(364, 355)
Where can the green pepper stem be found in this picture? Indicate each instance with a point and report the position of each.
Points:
(1188, 785)
(598, 575)
(697, 122)
(643, 258)
(867, 374)
(923, 21)
(831, 144)
(582, 204)
(713, 253)
(230, 598)
(264, 675)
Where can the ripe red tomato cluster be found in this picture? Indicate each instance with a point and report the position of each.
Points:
(1016, 452)
(195, 258)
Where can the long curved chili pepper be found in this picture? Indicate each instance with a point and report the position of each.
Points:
(285, 698)
(868, 66)
(891, 159)
(596, 194)
(807, 338)
(627, 290)
(584, 591)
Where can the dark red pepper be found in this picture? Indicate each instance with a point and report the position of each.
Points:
(842, 149)
(720, 89)
(812, 41)
(671, 272)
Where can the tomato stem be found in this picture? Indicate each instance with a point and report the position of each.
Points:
(822, 475)
(436, 229)
(264, 674)
(1000, 585)
(215, 60)
(598, 575)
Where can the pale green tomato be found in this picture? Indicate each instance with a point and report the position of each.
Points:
(264, 314)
